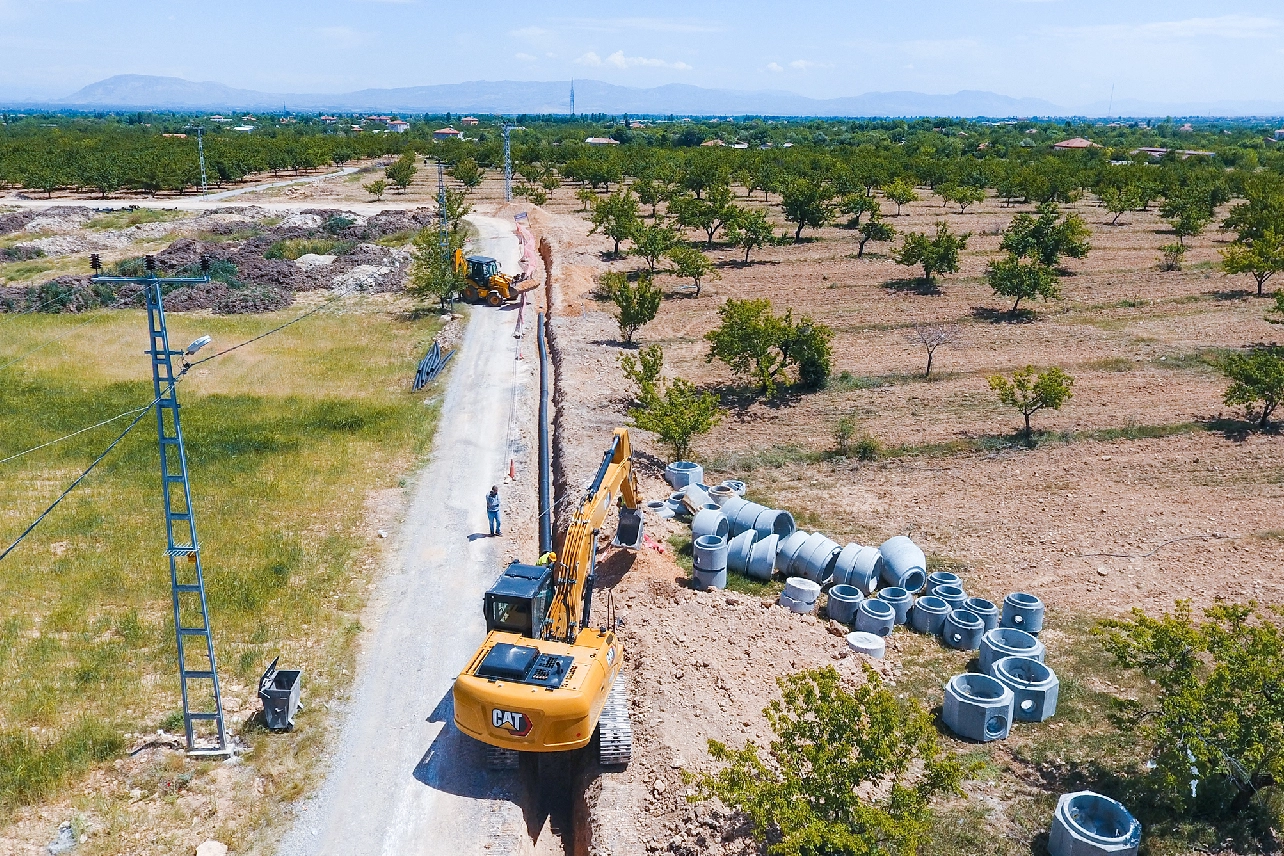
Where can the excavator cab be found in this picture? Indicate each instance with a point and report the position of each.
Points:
(481, 269)
(518, 602)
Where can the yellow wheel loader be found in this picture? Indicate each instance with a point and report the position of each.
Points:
(546, 679)
(485, 281)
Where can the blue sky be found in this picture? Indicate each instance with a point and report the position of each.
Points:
(1067, 51)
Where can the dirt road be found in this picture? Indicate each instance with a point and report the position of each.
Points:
(403, 781)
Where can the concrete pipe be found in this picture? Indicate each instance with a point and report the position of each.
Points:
(677, 502)
(985, 610)
(1034, 687)
(801, 607)
(787, 549)
(900, 601)
(1008, 642)
(816, 562)
(864, 569)
(1022, 611)
(943, 578)
(962, 630)
(659, 508)
(1089, 824)
(736, 485)
(977, 707)
(707, 579)
(695, 498)
(772, 521)
(762, 558)
(953, 595)
(802, 589)
(720, 493)
(875, 616)
(741, 513)
(902, 563)
(843, 602)
(738, 551)
(928, 614)
(709, 553)
(710, 521)
(869, 644)
(679, 474)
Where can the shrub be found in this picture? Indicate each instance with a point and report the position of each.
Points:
(868, 449)
(1029, 391)
(937, 255)
(755, 343)
(1012, 278)
(677, 415)
(375, 188)
(844, 433)
(636, 304)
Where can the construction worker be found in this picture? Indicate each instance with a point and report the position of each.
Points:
(492, 510)
(547, 559)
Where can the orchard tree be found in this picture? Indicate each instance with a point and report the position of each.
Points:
(748, 341)
(853, 770)
(402, 171)
(1120, 198)
(1258, 222)
(856, 204)
(616, 216)
(807, 202)
(874, 229)
(901, 191)
(931, 337)
(690, 263)
(652, 242)
(676, 412)
(643, 368)
(807, 344)
(1018, 280)
(467, 172)
(962, 195)
(432, 267)
(937, 255)
(1029, 391)
(749, 229)
(1257, 379)
(636, 304)
(708, 214)
(376, 188)
(1047, 237)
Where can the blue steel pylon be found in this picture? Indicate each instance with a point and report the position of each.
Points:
(187, 580)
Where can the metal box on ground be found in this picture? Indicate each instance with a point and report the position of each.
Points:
(279, 691)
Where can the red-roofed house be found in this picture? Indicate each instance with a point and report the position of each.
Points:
(446, 133)
(1074, 143)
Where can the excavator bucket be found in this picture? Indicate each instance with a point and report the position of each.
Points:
(629, 533)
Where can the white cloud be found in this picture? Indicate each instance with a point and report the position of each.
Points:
(1222, 27)
(619, 60)
(806, 64)
(525, 57)
(652, 25)
(774, 66)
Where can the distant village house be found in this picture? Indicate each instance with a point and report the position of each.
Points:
(447, 133)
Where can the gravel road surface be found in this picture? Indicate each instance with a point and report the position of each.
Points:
(403, 781)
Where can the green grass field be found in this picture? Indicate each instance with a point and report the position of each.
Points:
(286, 440)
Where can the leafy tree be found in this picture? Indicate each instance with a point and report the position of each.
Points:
(808, 203)
(748, 341)
(652, 242)
(874, 229)
(708, 214)
(748, 230)
(616, 216)
(432, 267)
(644, 369)
(457, 208)
(1189, 210)
(962, 195)
(1120, 198)
(1258, 222)
(1012, 278)
(852, 771)
(1262, 257)
(1029, 391)
(1171, 256)
(1275, 315)
(677, 415)
(467, 173)
(1047, 237)
(636, 304)
(587, 196)
(690, 263)
(1215, 723)
(1257, 376)
(650, 192)
(375, 188)
(901, 191)
(402, 171)
(936, 255)
(856, 204)
(534, 192)
(931, 337)
(807, 344)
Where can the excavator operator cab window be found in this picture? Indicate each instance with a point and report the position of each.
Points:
(519, 599)
(481, 269)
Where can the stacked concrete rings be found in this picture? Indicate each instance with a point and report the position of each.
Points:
(857, 566)
(815, 559)
(739, 550)
(1034, 686)
(977, 707)
(750, 515)
(844, 600)
(953, 595)
(737, 486)
(875, 616)
(928, 614)
(682, 473)
(900, 601)
(902, 563)
(762, 558)
(720, 493)
(800, 595)
(986, 611)
(1089, 824)
(1008, 642)
(1022, 611)
(962, 630)
(942, 578)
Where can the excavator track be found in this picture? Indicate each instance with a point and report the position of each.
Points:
(614, 729)
(501, 759)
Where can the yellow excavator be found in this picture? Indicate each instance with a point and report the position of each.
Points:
(545, 679)
(486, 283)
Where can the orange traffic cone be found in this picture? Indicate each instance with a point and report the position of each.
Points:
(512, 470)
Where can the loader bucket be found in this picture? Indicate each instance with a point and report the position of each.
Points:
(629, 533)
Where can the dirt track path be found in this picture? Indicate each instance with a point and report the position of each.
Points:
(403, 780)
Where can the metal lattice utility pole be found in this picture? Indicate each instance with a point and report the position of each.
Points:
(197, 668)
(508, 164)
(441, 203)
(200, 154)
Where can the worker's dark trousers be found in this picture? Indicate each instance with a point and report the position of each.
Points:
(493, 517)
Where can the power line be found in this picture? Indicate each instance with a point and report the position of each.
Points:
(78, 480)
(73, 434)
(311, 311)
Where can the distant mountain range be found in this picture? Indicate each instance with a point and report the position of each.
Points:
(135, 91)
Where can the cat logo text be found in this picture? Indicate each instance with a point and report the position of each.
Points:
(517, 724)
